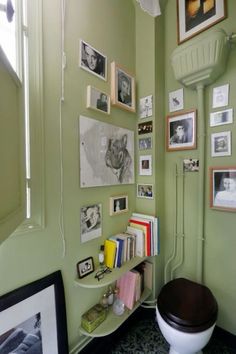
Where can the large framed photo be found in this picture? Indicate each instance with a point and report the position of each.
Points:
(145, 191)
(195, 16)
(93, 61)
(85, 267)
(34, 315)
(221, 117)
(98, 100)
(221, 144)
(122, 88)
(223, 188)
(90, 222)
(118, 204)
(181, 131)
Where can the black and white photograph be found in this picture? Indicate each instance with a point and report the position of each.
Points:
(122, 88)
(118, 204)
(220, 96)
(145, 106)
(221, 117)
(191, 165)
(33, 318)
(145, 128)
(195, 16)
(106, 154)
(176, 100)
(145, 165)
(145, 143)
(85, 267)
(181, 131)
(90, 222)
(221, 144)
(92, 60)
(145, 191)
(98, 100)
(223, 188)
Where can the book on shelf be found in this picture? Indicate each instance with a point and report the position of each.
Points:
(129, 285)
(110, 253)
(119, 249)
(140, 242)
(145, 226)
(148, 274)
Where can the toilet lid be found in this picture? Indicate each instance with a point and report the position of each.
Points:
(187, 306)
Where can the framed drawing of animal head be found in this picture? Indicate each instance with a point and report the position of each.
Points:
(106, 154)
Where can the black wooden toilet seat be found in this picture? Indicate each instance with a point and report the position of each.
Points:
(187, 306)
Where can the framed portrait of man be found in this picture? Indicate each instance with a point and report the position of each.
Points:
(122, 88)
(93, 61)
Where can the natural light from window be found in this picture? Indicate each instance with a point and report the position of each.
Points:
(8, 34)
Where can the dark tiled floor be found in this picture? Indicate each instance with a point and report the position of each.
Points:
(141, 335)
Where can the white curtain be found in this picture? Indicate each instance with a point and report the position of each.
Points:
(152, 7)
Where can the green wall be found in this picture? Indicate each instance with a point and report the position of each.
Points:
(220, 241)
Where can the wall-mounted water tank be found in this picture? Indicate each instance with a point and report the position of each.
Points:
(201, 60)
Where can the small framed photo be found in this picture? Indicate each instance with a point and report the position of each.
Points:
(145, 143)
(145, 128)
(122, 88)
(118, 204)
(198, 15)
(223, 188)
(221, 144)
(221, 117)
(191, 165)
(98, 100)
(181, 131)
(145, 165)
(145, 191)
(145, 107)
(85, 267)
(93, 61)
(176, 100)
(90, 222)
(220, 96)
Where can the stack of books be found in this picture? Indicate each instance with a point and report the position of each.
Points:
(141, 239)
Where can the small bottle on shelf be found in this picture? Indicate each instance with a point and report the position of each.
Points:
(104, 301)
(101, 256)
(110, 296)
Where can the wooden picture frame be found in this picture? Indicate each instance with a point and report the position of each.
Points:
(223, 188)
(181, 131)
(85, 267)
(122, 88)
(98, 100)
(118, 204)
(194, 17)
(221, 144)
(93, 61)
(36, 309)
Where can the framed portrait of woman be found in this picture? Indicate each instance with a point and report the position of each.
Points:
(223, 188)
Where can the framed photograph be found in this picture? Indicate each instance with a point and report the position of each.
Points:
(35, 314)
(145, 191)
(145, 107)
(98, 100)
(145, 143)
(145, 165)
(221, 144)
(195, 16)
(145, 128)
(181, 131)
(176, 100)
(191, 165)
(118, 204)
(122, 88)
(93, 61)
(220, 96)
(85, 267)
(221, 117)
(106, 154)
(223, 188)
(90, 222)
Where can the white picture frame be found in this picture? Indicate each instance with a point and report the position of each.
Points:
(220, 96)
(176, 100)
(145, 143)
(145, 106)
(145, 165)
(221, 144)
(98, 100)
(145, 190)
(90, 222)
(221, 117)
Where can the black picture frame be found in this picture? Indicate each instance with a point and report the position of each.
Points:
(43, 300)
(85, 267)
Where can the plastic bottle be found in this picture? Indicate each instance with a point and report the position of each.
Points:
(101, 255)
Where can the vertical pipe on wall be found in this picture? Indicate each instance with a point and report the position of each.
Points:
(201, 184)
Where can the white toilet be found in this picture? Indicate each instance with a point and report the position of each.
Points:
(186, 315)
